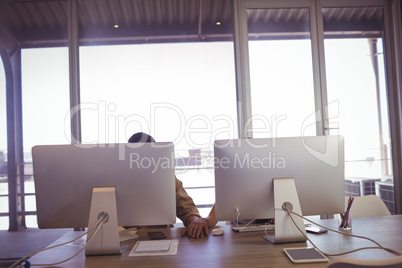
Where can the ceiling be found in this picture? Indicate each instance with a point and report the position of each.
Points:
(45, 23)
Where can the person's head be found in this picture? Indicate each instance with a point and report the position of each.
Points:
(140, 137)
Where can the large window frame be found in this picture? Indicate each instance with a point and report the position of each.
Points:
(392, 22)
(242, 59)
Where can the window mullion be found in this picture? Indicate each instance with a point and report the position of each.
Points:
(319, 75)
(73, 47)
(240, 40)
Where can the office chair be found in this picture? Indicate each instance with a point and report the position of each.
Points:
(353, 263)
(368, 206)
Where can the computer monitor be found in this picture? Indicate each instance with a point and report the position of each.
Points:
(134, 181)
(246, 168)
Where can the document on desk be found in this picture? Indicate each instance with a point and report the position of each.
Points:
(127, 234)
(155, 248)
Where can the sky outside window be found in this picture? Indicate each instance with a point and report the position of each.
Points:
(183, 93)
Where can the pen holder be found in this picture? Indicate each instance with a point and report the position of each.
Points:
(345, 220)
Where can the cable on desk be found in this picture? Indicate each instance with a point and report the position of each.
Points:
(23, 262)
(237, 221)
(343, 253)
(266, 233)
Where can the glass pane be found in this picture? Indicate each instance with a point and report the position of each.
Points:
(179, 92)
(201, 196)
(4, 223)
(3, 122)
(282, 90)
(31, 221)
(45, 96)
(354, 56)
(30, 202)
(3, 150)
(159, 71)
(30, 205)
(29, 185)
(3, 200)
(45, 100)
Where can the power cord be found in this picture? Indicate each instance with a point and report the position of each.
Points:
(343, 253)
(237, 220)
(23, 262)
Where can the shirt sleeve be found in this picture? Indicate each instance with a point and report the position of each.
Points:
(185, 206)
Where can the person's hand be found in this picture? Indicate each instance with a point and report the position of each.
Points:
(196, 228)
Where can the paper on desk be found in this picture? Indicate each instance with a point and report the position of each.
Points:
(127, 234)
(155, 247)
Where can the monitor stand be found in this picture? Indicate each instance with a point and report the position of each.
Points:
(285, 194)
(106, 240)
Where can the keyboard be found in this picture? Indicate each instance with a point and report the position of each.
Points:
(253, 228)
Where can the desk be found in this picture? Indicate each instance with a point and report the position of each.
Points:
(240, 249)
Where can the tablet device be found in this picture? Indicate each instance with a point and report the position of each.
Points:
(316, 230)
(305, 255)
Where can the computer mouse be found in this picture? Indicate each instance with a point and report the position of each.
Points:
(218, 231)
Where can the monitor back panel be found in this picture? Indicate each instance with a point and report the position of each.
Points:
(142, 174)
(244, 169)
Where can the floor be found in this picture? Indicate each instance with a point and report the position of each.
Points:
(14, 245)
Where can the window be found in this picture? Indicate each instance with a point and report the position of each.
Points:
(45, 98)
(281, 74)
(180, 92)
(3, 149)
(180, 89)
(357, 97)
(345, 86)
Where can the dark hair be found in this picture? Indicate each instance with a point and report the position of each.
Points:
(140, 137)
